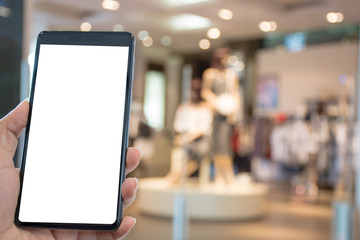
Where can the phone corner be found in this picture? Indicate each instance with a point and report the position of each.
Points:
(131, 36)
(115, 225)
(42, 33)
(17, 222)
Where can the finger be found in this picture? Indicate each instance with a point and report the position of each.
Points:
(128, 191)
(16, 120)
(126, 225)
(133, 156)
(87, 235)
(65, 234)
(102, 235)
(11, 127)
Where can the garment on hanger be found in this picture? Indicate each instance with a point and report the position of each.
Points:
(263, 128)
(279, 140)
(299, 139)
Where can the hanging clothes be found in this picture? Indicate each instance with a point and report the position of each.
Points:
(279, 140)
(263, 128)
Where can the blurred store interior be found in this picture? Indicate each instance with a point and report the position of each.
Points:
(246, 111)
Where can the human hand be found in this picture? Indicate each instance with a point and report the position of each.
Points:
(11, 127)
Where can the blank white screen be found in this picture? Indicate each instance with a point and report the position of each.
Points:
(74, 148)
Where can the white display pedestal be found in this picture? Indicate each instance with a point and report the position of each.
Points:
(211, 202)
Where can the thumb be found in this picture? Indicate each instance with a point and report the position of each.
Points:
(11, 127)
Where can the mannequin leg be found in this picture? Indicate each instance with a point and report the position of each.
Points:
(204, 172)
(192, 166)
(228, 170)
(219, 175)
(177, 157)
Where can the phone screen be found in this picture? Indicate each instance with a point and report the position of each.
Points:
(73, 156)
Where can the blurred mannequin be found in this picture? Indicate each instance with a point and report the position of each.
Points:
(221, 91)
(193, 123)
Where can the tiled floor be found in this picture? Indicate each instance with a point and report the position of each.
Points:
(286, 220)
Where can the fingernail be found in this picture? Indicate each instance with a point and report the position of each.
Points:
(139, 151)
(137, 182)
(134, 221)
(26, 99)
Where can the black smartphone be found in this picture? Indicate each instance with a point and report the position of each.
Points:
(73, 162)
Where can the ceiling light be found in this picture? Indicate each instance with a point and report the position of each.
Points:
(273, 26)
(232, 60)
(166, 40)
(204, 44)
(334, 17)
(239, 66)
(267, 26)
(188, 22)
(225, 14)
(213, 33)
(331, 17)
(85, 26)
(110, 5)
(118, 28)
(143, 34)
(148, 42)
(340, 17)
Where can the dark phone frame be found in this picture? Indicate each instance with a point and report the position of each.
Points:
(94, 39)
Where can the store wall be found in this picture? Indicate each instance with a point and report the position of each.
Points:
(308, 74)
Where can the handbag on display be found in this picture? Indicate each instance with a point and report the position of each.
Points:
(227, 103)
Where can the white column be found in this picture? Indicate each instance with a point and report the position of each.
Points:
(27, 27)
(24, 76)
(173, 71)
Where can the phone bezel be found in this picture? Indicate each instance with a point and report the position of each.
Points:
(94, 39)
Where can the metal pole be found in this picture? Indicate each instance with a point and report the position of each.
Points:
(357, 172)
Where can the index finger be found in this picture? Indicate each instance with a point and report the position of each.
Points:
(133, 156)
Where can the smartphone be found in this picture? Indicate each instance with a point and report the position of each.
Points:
(76, 137)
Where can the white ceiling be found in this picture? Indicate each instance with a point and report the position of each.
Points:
(154, 16)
